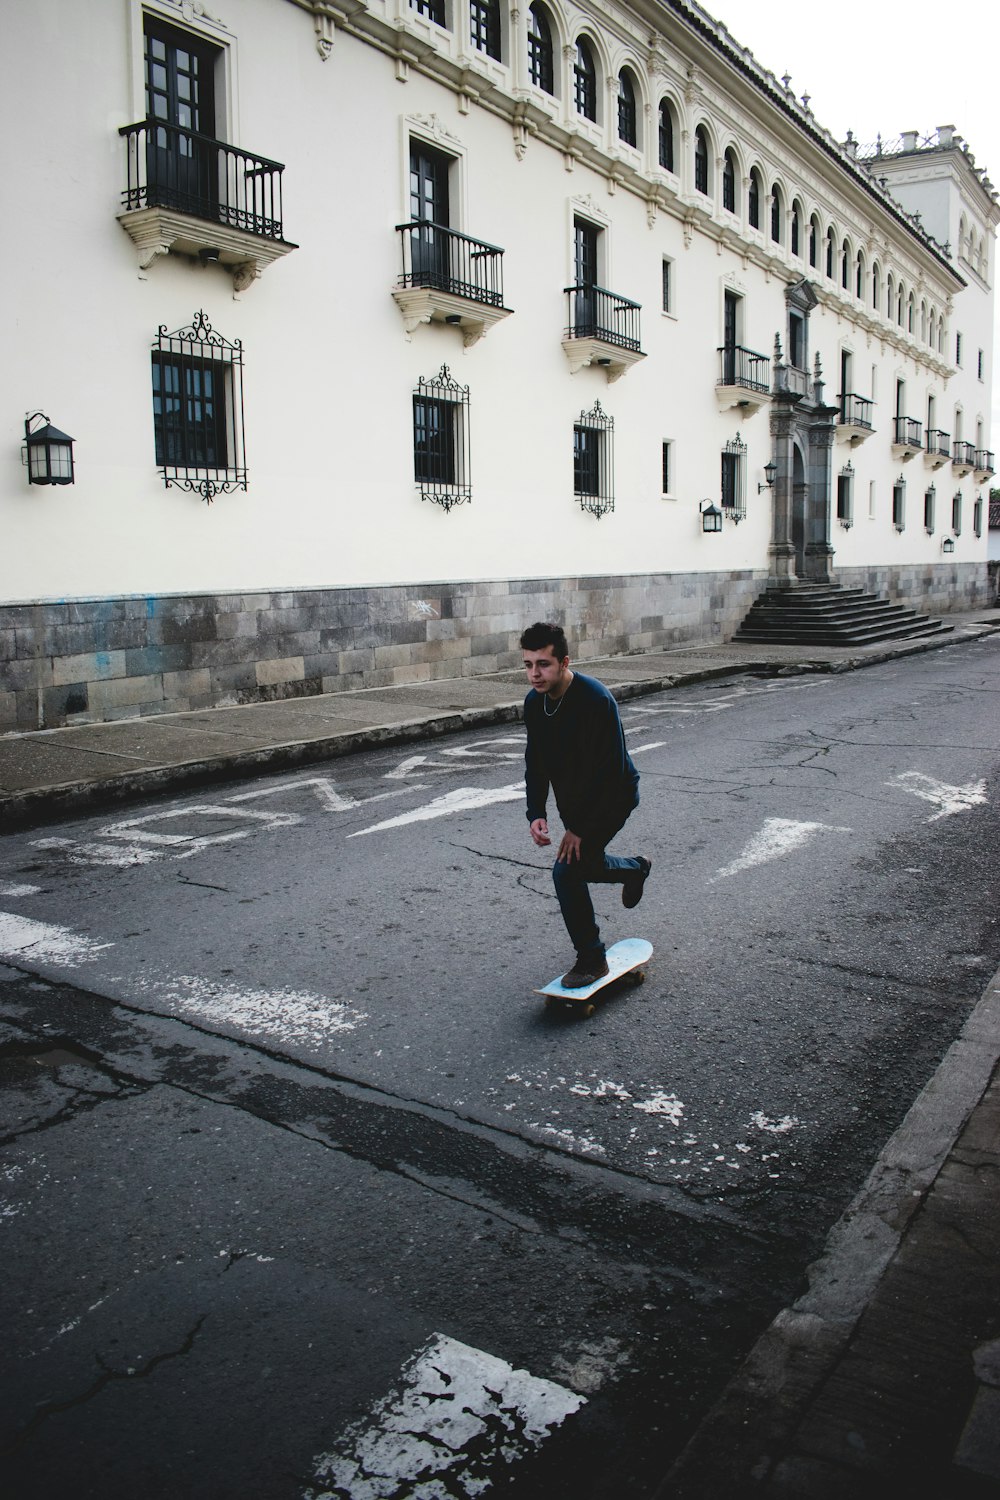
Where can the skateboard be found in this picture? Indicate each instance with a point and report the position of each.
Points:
(626, 964)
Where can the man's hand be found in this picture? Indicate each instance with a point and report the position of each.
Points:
(539, 830)
(569, 849)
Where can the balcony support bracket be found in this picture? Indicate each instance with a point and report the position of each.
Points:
(164, 231)
(423, 304)
(614, 360)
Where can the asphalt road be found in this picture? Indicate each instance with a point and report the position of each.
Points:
(295, 1158)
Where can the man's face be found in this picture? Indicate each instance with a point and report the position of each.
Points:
(545, 670)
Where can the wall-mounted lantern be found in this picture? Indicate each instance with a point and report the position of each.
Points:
(770, 475)
(711, 516)
(47, 452)
(948, 545)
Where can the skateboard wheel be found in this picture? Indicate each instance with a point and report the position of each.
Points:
(589, 1010)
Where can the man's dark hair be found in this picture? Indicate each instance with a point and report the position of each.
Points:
(543, 634)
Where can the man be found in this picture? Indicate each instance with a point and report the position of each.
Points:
(576, 746)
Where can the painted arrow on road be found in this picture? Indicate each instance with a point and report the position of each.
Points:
(947, 799)
(463, 799)
(778, 837)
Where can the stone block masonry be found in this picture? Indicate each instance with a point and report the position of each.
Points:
(83, 661)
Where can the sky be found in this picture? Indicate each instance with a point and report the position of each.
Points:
(873, 67)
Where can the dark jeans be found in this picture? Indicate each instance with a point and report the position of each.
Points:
(594, 867)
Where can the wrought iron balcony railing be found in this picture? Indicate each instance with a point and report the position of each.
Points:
(742, 367)
(984, 461)
(169, 167)
(446, 261)
(909, 432)
(938, 442)
(595, 313)
(855, 411)
(963, 454)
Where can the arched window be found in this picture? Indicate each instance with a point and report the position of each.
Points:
(666, 141)
(796, 245)
(701, 160)
(540, 51)
(753, 199)
(585, 81)
(910, 314)
(829, 253)
(813, 240)
(729, 183)
(776, 213)
(899, 305)
(875, 285)
(859, 276)
(890, 296)
(845, 257)
(627, 124)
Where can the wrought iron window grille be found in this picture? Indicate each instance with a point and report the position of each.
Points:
(441, 446)
(734, 479)
(899, 504)
(198, 410)
(930, 505)
(845, 496)
(593, 461)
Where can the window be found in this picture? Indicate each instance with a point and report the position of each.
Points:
(977, 516)
(813, 241)
(627, 123)
(484, 26)
(593, 461)
(585, 82)
(729, 183)
(734, 479)
(540, 55)
(753, 200)
(441, 440)
(875, 285)
(198, 410)
(899, 504)
(979, 364)
(845, 261)
(181, 157)
(956, 513)
(859, 276)
(930, 501)
(829, 253)
(701, 160)
(668, 286)
(667, 466)
(430, 212)
(432, 9)
(796, 229)
(666, 140)
(958, 349)
(796, 340)
(845, 496)
(776, 213)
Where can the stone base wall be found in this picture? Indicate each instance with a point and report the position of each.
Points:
(89, 660)
(994, 581)
(933, 589)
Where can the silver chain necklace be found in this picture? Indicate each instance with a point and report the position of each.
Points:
(559, 704)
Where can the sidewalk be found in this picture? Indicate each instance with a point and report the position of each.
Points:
(54, 773)
(885, 1375)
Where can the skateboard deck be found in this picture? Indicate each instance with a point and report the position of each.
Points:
(626, 958)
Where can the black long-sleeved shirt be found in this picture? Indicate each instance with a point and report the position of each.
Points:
(579, 750)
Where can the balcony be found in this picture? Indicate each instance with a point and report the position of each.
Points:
(744, 379)
(937, 447)
(984, 463)
(963, 458)
(854, 420)
(449, 278)
(602, 328)
(191, 195)
(907, 437)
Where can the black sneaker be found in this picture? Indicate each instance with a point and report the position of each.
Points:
(584, 972)
(634, 885)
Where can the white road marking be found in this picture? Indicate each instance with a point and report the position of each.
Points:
(121, 856)
(722, 700)
(653, 745)
(294, 1018)
(450, 758)
(778, 837)
(462, 799)
(321, 789)
(46, 943)
(10, 891)
(947, 799)
(452, 1398)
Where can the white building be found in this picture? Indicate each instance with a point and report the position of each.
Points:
(412, 438)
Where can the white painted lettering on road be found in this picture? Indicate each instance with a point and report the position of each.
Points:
(778, 837)
(462, 799)
(947, 799)
(452, 757)
(45, 942)
(452, 1399)
(321, 789)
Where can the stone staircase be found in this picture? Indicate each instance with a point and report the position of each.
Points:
(813, 614)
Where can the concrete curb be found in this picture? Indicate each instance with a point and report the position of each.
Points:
(739, 1444)
(36, 806)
